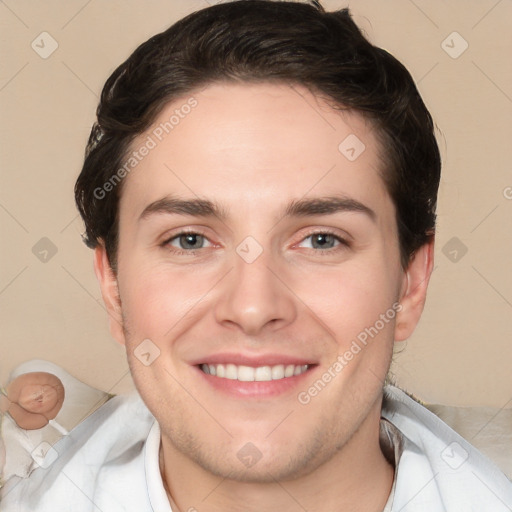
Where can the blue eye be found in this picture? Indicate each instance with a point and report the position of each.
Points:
(324, 241)
(188, 241)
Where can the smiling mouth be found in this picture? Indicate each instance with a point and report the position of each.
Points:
(254, 374)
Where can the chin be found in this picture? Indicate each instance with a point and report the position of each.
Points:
(262, 461)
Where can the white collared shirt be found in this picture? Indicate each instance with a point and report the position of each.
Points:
(110, 463)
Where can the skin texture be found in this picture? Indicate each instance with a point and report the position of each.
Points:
(253, 149)
(33, 399)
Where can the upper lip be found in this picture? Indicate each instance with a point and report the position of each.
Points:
(252, 360)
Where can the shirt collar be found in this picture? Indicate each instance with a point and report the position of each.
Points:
(156, 492)
(392, 446)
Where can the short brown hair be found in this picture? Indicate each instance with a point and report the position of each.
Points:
(267, 41)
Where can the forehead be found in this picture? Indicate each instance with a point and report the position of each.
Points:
(253, 145)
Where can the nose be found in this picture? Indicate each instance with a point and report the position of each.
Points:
(254, 298)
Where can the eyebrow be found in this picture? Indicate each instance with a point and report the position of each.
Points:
(326, 206)
(175, 206)
(297, 208)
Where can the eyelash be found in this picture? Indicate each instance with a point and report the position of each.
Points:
(182, 252)
(343, 244)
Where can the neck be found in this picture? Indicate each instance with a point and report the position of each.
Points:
(357, 478)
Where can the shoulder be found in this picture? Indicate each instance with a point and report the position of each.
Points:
(438, 469)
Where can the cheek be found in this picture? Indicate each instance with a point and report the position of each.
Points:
(350, 298)
(358, 305)
(156, 299)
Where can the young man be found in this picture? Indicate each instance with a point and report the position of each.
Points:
(260, 193)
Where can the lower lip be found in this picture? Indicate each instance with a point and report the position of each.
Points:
(264, 389)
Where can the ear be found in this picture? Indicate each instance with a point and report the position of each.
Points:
(414, 290)
(110, 292)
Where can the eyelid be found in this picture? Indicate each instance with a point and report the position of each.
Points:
(179, 235)
(344, 240)
(175, 233)
(166, 243)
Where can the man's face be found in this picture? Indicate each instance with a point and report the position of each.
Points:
(273, 281)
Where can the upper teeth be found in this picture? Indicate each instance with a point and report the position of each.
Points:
(249, 374)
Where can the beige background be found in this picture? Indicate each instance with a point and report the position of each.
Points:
(461, 353)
